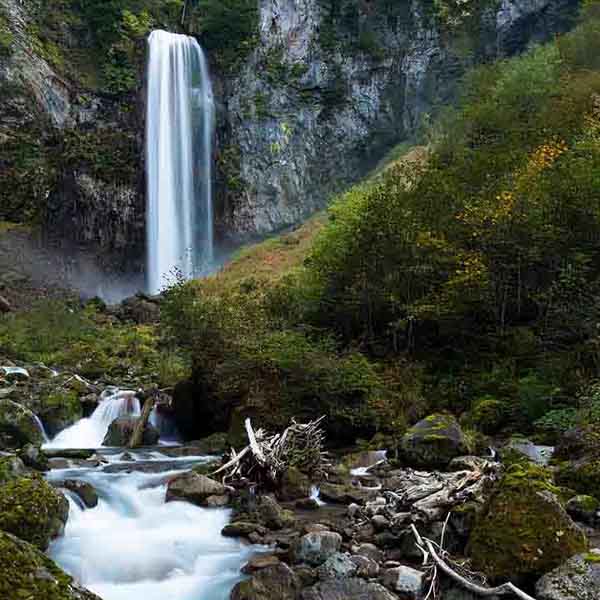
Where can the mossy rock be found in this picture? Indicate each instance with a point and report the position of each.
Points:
(583, 476)
(18, 426)
(293, 485)
(33, 510)
(488, 415)
(577, 579)
(11, 467)
(585, 509)
(579, 442)
(524, 531)
(29, 574)
(433, 442)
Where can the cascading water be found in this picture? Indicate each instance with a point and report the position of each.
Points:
(179, 135)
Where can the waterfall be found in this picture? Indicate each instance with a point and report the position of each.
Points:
(90, 432)
(179, 136)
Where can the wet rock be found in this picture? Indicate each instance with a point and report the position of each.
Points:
(404, 581)
(365, 567)
(579, 442)
(345, 494)
(294, 485)
(271, 514)
(370, 551)
(121, 429)
(577, 579)
(34, 457)
(277, 582)
(337, 565)
(243, 529)
(259, 562)
(194, 488)
(307, 504)
(68, 453)
(582, 475)
(28, 573)
(380, 523)
(33, 510)
(217, 501)
(433, 442)
(315, 548)
(585, 509)
(84, 490)
(351, 588)
(520, 448)
(18, 426)
(59, 463)
(14, 374)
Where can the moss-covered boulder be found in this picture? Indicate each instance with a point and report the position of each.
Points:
(11, 467)
(433, 442)
(33, 510)
(577, 579)
(582, 475)
(585, 509)
(294, 485)
(18, 425)
(488, 415)
(27, 573)
(121, 429)
(524, 531)
(579, 442)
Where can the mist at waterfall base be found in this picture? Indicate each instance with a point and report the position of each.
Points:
(180, 124)
(133, 545)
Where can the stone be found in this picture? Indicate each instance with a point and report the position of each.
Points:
(585, 509)
(380, 523)
(11, 467)
(242, 529)
(276, 582)
(33, 510)
(582, 475)
(579, 442)
(315, 548)
(68, 453)
(14, 374)
(29, 573)
(259, 562)
(271, 514)
(523, 531)
(405, 581)
(525, 449)
(217, 501)
(120, 431)
(370, 551)
(193, 487)
(140, 309)
(337, 565)
(213, 444)
(59, 463)
(365, 567)
(345, 494)
(577, 579)
(352, 588)
(83, 490)
(34, 457)
(294, 485)
(307, 504)
(18, 426)
(433, 442)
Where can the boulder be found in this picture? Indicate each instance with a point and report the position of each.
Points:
(370, 551)
(294, 485)
(337, 565)
(585, 509)
(83, 490)
(345, 494)
(365, 567)
(18, 426)
(316, 547)
(33, 510)
(34, 457)
(577, 579)
(523, 531)
(193, 487)
(11, 467)
(582, 475)
(121, 429)
(351, 588)
(406, 582)
(259, 562)
(579, 442)
(28, 573)
(243, 529)
(217, 501)
(271, 515)
(433, 442)
(140, 309)
(519, 449)
(277, 582)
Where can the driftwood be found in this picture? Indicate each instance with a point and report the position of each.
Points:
(266, 457)
(428, 549)
(137, 436)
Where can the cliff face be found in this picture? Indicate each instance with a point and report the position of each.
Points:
(329, 87)
(332, 85)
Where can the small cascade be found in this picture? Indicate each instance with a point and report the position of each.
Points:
(89, 433)
(315, 494)
(180, 124)
(41, 428)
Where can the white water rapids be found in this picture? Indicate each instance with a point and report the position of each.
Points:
(133, 545)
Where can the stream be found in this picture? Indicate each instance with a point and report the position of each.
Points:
(133, 545)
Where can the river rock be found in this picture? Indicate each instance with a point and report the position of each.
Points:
(585, 509)
(525, 449)
(404, 581)
(140, 309)
(365, 567)
(217, 501)
(193, 487)
(34, 457)
(121, 429)
(579, 442)
(370, 551)
(18, 426)
(11, 467)
(294, 485)
(33, 510)
(28, 573)
(69, 453)
(351, 588)
(84, 490)
(345, 494)
(243, 529)
(277, 582)
(259, 562)
(433, 442)
(315, 548)
(337, 565)
(577, 579)
(271, 514)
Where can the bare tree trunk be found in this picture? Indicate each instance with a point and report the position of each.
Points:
(137, 437)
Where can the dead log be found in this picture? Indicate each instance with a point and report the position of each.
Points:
(5, 306)
(137, 436)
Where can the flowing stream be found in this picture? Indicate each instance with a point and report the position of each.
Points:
(180, 122)
(133, 545)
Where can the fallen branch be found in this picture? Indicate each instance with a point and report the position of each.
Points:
(501, 590)
(137, 437)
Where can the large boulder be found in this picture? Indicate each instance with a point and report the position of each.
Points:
(316, 547)
(277, 582)
(345, 494)
(351, 588)
(337, 565)
(18, 426)
(433, 442)
(577, 579)
(84, 490)
(404, 581)
(579, 442)
(194, 488)
(33, 510)
(29, 574)
(121, 429)
(582, 475)
(11, 467)
(523, 531)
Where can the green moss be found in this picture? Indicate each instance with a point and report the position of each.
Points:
(591, 558)
(583, 476)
